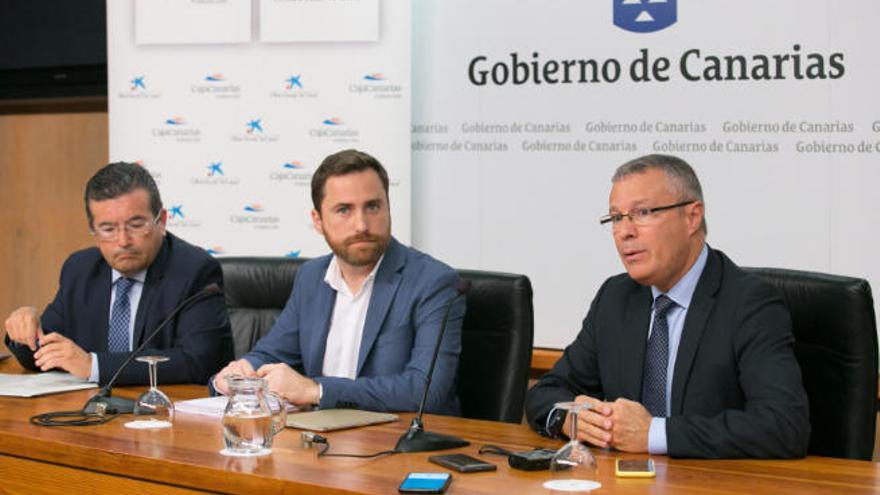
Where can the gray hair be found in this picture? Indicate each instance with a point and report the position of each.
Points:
(679, 174)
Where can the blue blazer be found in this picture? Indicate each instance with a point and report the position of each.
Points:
(410, 294)
(198, 341)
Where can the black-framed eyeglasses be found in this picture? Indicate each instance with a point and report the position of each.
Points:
(639, 216)
(138, 227)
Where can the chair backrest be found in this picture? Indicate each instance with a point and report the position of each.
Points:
(496, 347)
(836, 345)
(256, 290)
(496, 333)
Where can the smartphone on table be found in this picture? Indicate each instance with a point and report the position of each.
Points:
(462, 463)
(425, 483)
(631, 468)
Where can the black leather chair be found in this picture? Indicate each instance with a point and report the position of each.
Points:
(496, 347)
(836, 346)
(496, 333)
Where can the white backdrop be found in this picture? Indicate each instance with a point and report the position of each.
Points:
(492, 191)
(232, 104)
(514, 134)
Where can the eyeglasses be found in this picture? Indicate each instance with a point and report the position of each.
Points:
(638, 216)
(138, 227)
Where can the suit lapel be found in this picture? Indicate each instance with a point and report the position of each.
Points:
(634, 337)
(152, 286)
(384, 288)
(99, 311)
(694, 327)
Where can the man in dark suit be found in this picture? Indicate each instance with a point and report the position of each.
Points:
(685, 354)
(113, 295)
(360, 326)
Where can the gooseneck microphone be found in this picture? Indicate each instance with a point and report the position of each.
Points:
(416, 439)
(103, 404)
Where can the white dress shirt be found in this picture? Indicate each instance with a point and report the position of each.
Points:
(347, 323)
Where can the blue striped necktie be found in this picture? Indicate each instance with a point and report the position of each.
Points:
(120, 316)
(657, 360)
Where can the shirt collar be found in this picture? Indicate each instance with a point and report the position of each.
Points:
(683, 291)
(333, 276)
(139, 276)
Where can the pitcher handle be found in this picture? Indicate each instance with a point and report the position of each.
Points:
(279, 419)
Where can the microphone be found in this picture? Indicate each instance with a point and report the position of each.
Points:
(103, 402)
(416, 439)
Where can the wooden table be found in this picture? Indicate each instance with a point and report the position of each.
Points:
(113, 459)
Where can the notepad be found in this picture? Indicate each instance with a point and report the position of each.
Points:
(337, 419)
(50, 382)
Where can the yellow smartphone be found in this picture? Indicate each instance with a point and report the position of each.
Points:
(635, 468)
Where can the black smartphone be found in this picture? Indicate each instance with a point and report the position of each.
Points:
(462, 463)
(425, 483)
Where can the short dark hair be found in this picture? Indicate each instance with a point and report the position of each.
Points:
(117, 179)
(343, 163)
(679, 174)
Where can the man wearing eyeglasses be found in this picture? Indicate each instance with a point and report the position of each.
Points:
(111, 296)
(685, 354)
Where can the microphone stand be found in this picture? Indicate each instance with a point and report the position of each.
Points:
(416, 439)
(103, 402)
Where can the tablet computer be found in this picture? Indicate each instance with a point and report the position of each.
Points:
(337, 419)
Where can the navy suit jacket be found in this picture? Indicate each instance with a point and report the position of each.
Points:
(198, 341)
(410, 294)
(736, 386)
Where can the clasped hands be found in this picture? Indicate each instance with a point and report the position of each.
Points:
(622, 424)
(55, 350)
(280, 378)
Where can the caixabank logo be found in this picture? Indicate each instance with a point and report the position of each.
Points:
(177, 128)
(335, 129)
(293, 86)
(253, 215)
(214, 174)
(291, 172)
(178, 218)
(375, 84)
(645, 16)
(216, 250)
(254, 130)
(138, 88)
(216, 85)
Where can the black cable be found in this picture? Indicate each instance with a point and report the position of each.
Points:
(78, 418)
(323, 452)
(494, 449)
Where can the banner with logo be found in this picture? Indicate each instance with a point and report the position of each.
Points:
(232, 114)
(522, 111)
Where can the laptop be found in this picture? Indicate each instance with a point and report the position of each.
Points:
(337, 419)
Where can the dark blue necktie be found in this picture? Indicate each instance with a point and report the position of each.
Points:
(120, 316)
(657, 360)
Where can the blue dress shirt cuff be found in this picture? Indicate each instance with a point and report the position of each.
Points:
(95, 375)
(657, 436)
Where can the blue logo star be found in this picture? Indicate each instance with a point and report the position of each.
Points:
(215, 168)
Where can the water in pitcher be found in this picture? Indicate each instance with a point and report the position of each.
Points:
(247, 433)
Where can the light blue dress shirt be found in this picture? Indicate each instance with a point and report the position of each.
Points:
(681, 293)
(134, 299)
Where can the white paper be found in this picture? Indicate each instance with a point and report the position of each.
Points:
(159, 22)
(50, 382)
(208, 406)
(319, 20)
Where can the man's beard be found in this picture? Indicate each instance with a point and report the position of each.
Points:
(361, 255)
